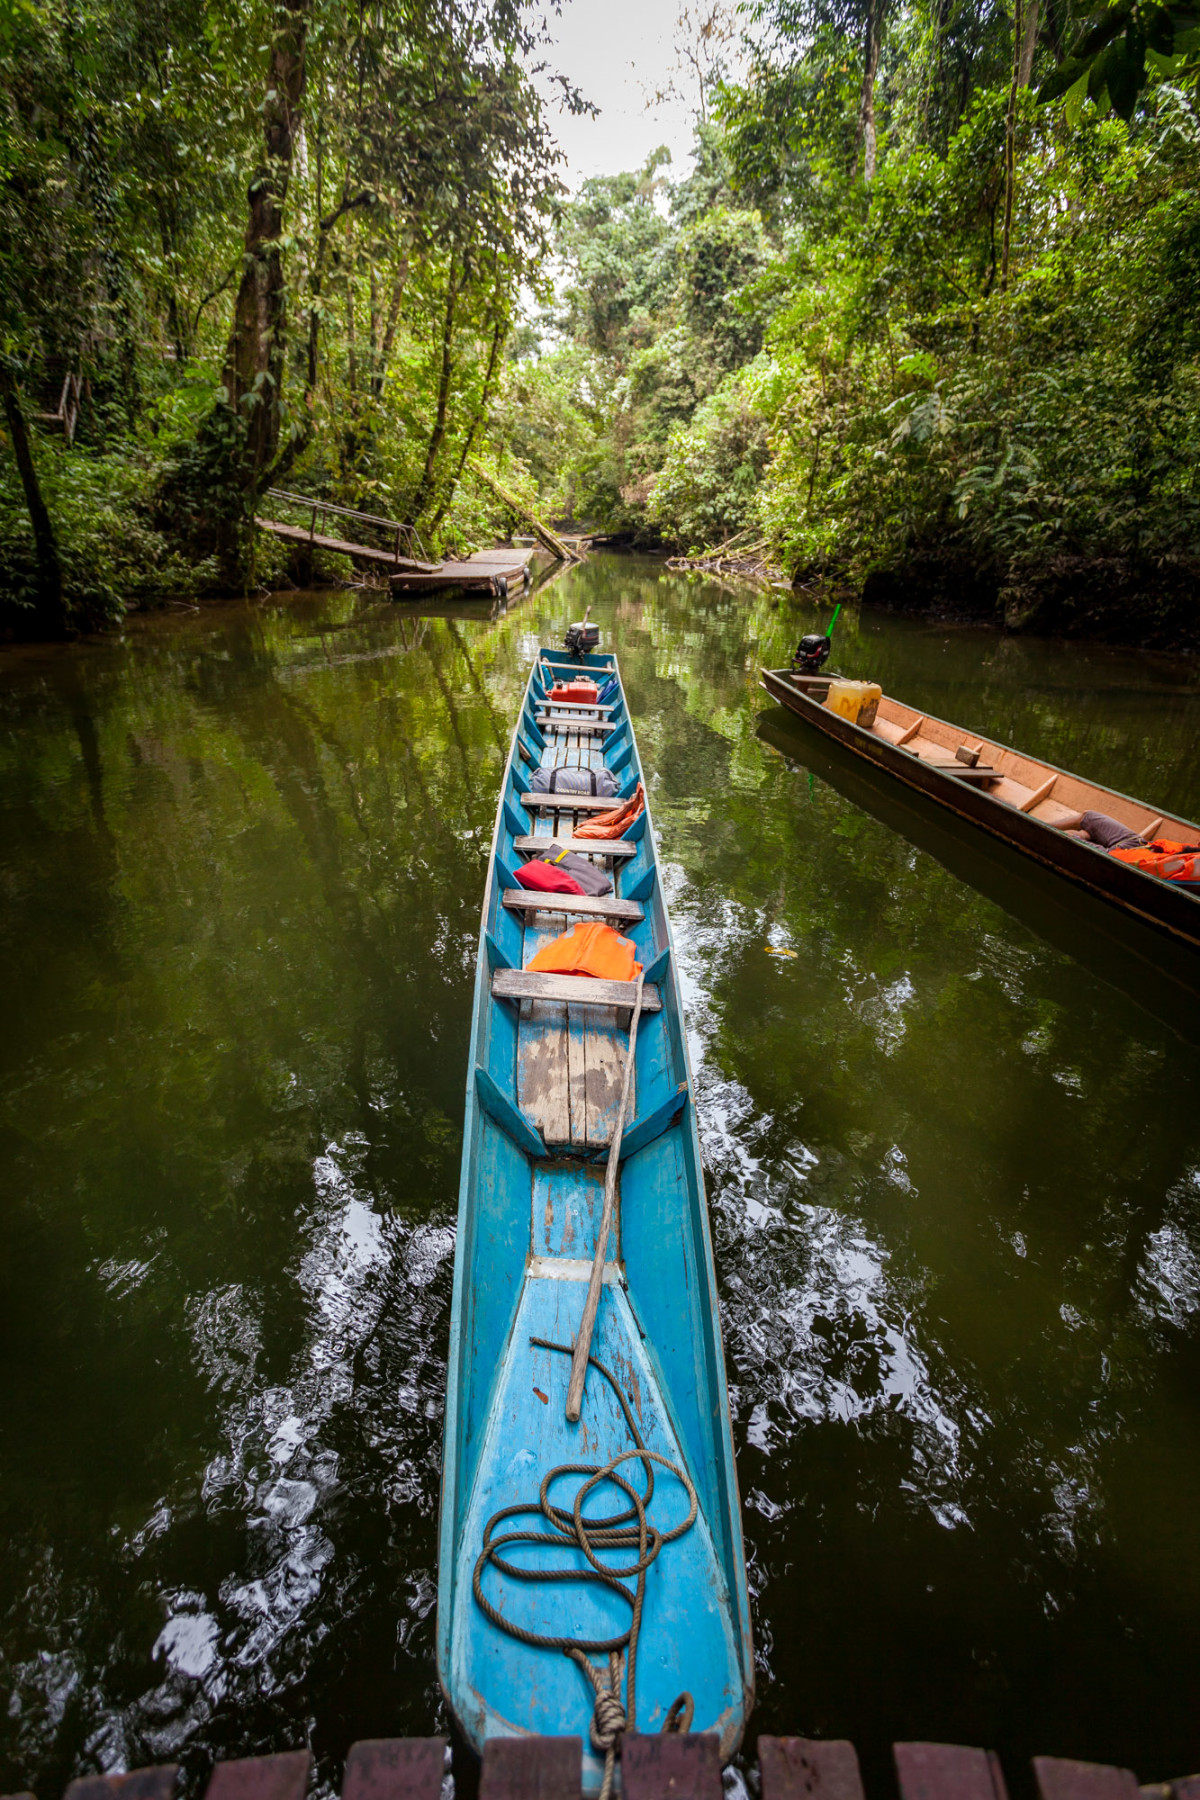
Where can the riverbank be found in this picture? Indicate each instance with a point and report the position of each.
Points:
(1103, 600)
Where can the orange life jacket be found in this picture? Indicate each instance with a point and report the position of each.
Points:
(616, 823)
(1165, 858)
(591, 949)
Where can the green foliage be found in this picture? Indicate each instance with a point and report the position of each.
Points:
(418, 197)
(707, 487)
(845, 370)
(1120, 49)
(116, 554)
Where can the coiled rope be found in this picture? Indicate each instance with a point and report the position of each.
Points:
(629, 1529)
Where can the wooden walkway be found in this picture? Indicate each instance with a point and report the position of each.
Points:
(299, 534)
(483, 573)
(487, 574)
(652, 1768)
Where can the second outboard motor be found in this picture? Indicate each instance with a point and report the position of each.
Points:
(812, 650)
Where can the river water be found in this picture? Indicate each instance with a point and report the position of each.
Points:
(954, 1175)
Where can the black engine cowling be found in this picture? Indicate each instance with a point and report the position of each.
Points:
(812, 650)
(582, 637)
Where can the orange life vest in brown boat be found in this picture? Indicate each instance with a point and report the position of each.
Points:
(1165, 858)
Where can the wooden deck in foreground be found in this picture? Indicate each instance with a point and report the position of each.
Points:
(652, 1768)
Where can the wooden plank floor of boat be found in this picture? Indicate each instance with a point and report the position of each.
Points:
(570, 1057)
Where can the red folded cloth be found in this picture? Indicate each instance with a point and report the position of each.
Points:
(546, 878)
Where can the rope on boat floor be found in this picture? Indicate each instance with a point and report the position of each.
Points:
(571, 1530)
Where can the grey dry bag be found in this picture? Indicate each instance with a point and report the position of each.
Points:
(600, 783)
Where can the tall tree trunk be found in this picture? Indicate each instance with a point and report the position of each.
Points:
(254, 359)
(389, 332)
(1010, 142)
(933, 79)
(437, 436)
(94, 160)
(373, 323)
(498, 337)
(865, 135)
(52, 613)
(1029, 38)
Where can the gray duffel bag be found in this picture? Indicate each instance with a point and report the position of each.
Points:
(600, 783)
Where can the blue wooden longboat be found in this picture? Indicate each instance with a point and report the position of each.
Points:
(543, 1090)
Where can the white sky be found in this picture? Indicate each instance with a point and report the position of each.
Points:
(613, 50)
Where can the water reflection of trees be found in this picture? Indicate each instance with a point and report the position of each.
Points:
(955, 1198)
(235, 1112)
(952, 1179)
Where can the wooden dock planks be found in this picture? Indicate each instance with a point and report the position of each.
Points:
(653, 1767)
(299, 534)
(483, 573)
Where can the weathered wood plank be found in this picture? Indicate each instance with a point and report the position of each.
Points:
(671, 1766)
(1062, 1778)
(577, 1072)
(947, 1772)
(808, 1769)
(497, 1105)
(283, 1777)
(536, 846)
(570, 802)
(543, 1074)
(593, 906)
(588, 727)
(576, 668)
(530, 984)
(300, 534)
(157, 1783)
(395, 1769)
(531, 1768)
(588, 708)
(604, 1048)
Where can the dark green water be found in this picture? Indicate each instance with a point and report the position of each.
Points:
(954, 1176)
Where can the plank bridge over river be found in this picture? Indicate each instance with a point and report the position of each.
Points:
(486, 572)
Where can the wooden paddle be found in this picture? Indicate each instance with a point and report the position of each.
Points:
(583, 1343)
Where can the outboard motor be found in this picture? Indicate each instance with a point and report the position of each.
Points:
(812, 650)
(582, 637)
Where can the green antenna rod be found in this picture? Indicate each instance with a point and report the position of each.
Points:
(837, 609)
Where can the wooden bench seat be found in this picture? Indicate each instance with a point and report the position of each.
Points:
(571, 802)
(592, 671)
(583, 706)
(885, 728)
(595, 906)
(549, 723)
(1052, 812)
(978, 776)
(535, 846)
(530, 984)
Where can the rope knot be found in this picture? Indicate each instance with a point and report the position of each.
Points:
(608, 1720)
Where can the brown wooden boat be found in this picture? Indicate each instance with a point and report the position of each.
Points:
(1015, 797)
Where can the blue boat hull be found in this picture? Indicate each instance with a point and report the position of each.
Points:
(542, 1093)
